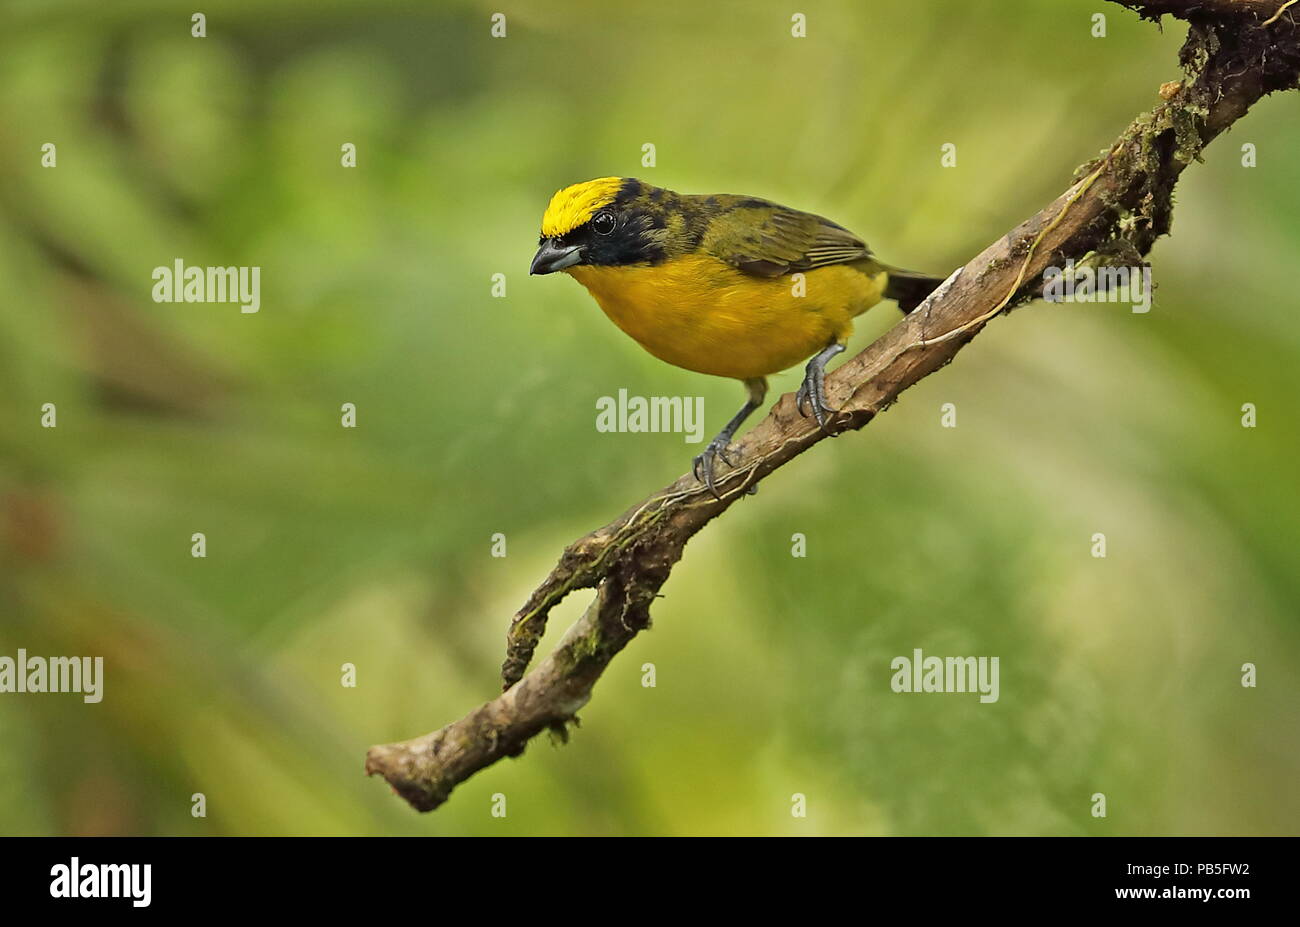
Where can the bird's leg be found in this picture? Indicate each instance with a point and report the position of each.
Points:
(757, 388)
(813, 390)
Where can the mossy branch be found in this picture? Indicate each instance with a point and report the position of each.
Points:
(1236, 52)
(1259, 12)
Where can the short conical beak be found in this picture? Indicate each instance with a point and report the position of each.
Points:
(552, 256)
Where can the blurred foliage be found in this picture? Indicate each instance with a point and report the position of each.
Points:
(371, 545)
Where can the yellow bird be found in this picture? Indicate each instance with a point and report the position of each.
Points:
(707, 283)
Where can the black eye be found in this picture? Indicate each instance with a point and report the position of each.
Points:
(603, 223)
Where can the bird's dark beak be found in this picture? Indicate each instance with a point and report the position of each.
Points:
(552, 256)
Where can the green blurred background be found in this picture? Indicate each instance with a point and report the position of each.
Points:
(476, 415)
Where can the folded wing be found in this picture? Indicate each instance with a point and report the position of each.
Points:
(767, 240)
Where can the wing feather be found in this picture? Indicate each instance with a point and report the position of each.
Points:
(768, 240)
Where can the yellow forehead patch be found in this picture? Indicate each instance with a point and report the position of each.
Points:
(574, 205)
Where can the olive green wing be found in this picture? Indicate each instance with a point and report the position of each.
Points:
(767, 240)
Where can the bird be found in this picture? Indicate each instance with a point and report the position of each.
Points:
(722, 284)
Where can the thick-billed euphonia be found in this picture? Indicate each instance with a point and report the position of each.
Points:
(708, 283)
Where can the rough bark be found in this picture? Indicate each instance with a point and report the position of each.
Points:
(1236, 52)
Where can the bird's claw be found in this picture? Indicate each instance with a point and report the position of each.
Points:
(717, 449)
(813, 394)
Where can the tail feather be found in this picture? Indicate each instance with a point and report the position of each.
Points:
(908, 288)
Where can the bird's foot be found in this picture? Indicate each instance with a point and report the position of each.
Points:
(703, 463)
(812, 393)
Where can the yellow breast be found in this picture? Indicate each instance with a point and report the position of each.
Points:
(704, 315)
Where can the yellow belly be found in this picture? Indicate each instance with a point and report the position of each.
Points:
(702, 314)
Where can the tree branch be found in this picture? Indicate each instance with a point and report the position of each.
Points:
(1115, 210)
(1258, 10)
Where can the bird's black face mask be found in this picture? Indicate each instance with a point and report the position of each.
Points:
(625, 232)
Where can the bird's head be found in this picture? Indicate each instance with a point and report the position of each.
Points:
(610, 221)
